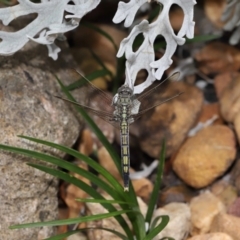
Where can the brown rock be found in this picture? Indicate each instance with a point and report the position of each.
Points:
(228, 224)
(235, 175)
(205, 156)
(230, 100)
(236, 123)
(212, 236)
(203, 209)
(217, 57)
(179, 224)
(170, 121)
(213, 10)
(234, 208)
(222, 80)
(180, 193)
(225, 192)
(210, 110)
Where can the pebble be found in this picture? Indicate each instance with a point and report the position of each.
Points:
(212, 236)
(205, 156)
(179, 224)
(228, 224)
(203, 210)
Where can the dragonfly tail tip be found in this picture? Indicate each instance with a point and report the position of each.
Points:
(126, 189)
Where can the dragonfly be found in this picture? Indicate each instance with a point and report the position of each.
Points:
(126, 109)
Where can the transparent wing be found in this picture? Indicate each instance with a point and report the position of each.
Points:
(106, 116)
(93, 88)
(150, 103)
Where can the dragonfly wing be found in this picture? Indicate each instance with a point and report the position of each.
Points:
(106, 116)
(139, 114)
(147, 96)
(93, 89)
(152, 89)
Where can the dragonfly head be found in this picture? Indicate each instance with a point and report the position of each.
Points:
(125, 91)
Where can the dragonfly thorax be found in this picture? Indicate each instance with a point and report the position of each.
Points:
(125, 94)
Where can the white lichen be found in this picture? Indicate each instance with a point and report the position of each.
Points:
(144, 57)
(47, 26)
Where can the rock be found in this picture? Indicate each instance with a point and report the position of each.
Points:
(214, 11)
(210, 110)
(179, 224)
(78, 236)
(212, 236)
(217, 57)
(230, 100)
(28, 107)
(111, 223)
(236, 123)
(222, 81)
(203, 210)
(180, 193)
(227, 224)
(235, 175)
(234, 208)
(205, 156)
(225, 192)
(170, 121)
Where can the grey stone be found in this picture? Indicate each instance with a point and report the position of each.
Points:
(28, 107)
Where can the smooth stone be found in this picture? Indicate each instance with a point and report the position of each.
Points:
(226, 223)
(205, 156)
(203, 210)
(179, 223)
(212, 236)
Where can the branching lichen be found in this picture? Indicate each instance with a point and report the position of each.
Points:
(49, 23)
(144, 57)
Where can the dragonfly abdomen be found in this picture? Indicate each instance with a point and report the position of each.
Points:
(125, 153)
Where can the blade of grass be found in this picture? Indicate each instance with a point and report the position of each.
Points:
(154, 232)
(101, 63)
(154, 195)
(64, 235)
(155, 12)
(102, 32)
(79, 83)
(69, 221)
(70, 166)
(108, 201)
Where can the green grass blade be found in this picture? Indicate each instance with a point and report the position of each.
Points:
(70, 221)
(154, 195)
(101, 63)
(79, 83)
(155, 12)
(202, 38)
(102, 32)
(154, 232)
(72, 167)
(64, 235)
(90, 200)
